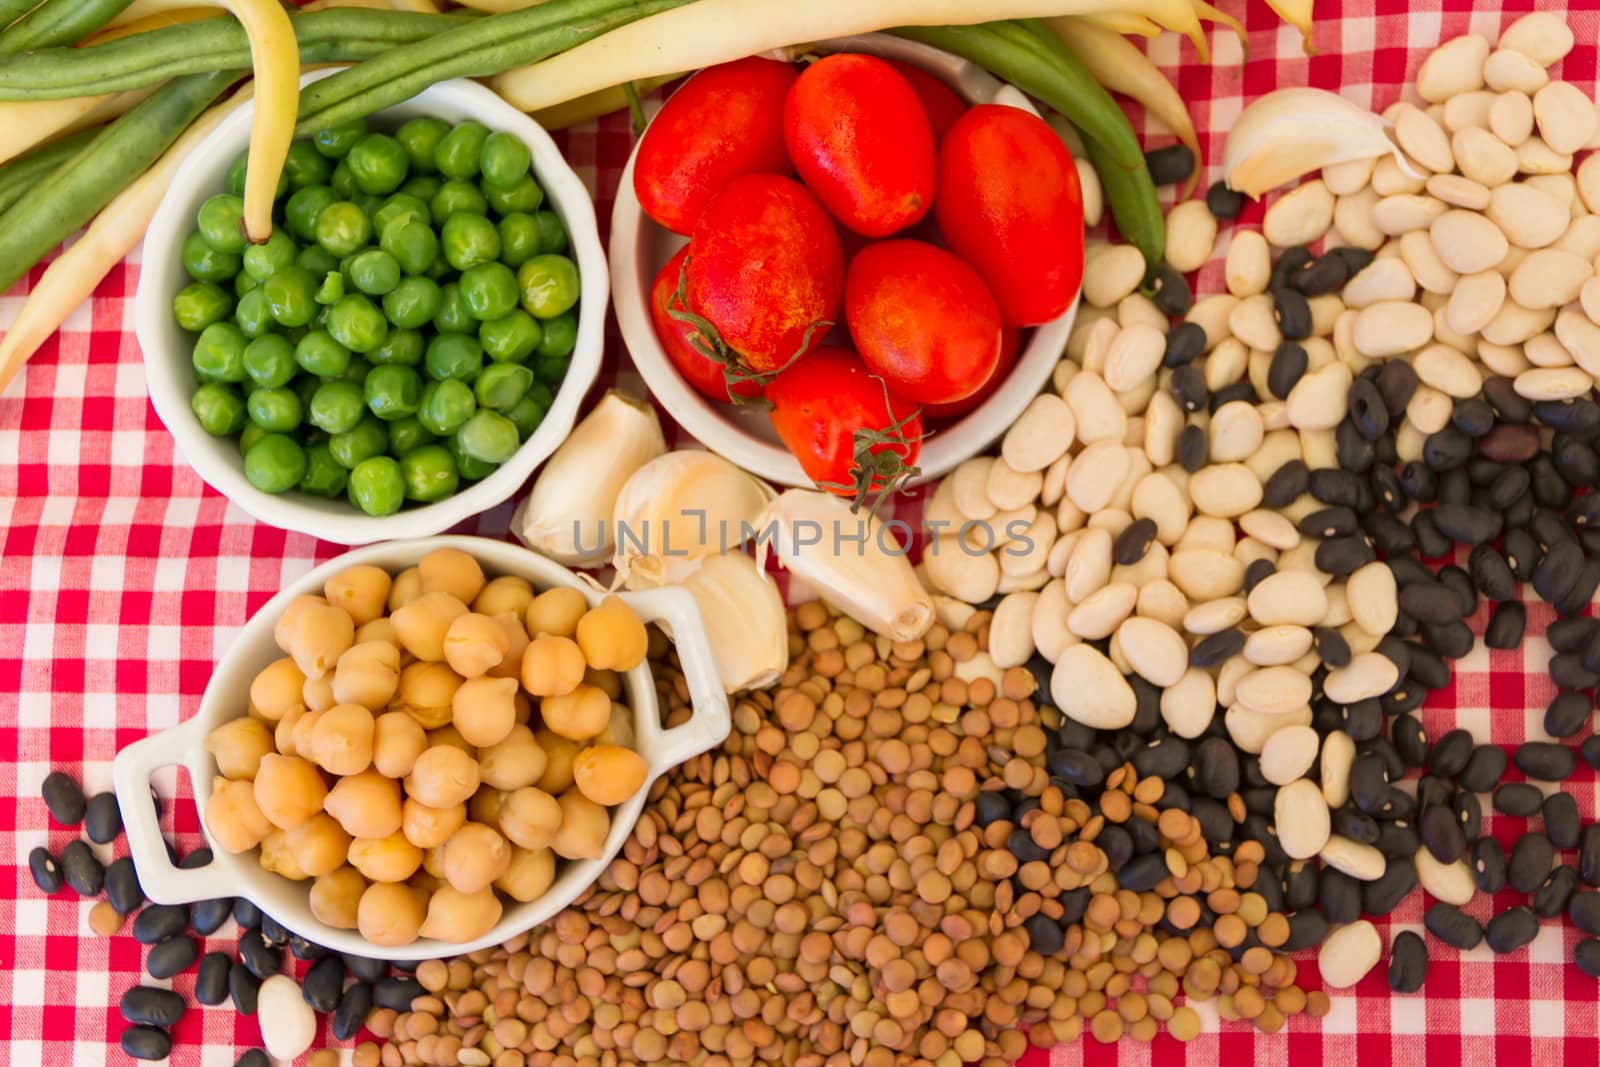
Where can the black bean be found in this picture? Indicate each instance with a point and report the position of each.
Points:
(1550, 528)
(1586, 955)
(262, 958)
(1545, 760)
(1216, 764)
(1257, 572)
(365, 968)
(1356, 825)
(1355, 259)
(1024, 848)
(1223, 202)
(1483, 769)
(302, 949)
(1507, 488)
(1165, 757)
(1550, 899)
(1213, 649)
(1434, 792)
(1584, 511)
(1186, 341)
(1446, 450)
(1239, 391)
(1408, 962)
(1557, 572)
(1403, 698)
(1452, 926)
(1568, 672)
(207, 916)
(1342, 556)
(1396, 382)
(1518, 799)
(1488, 862)
(351, 1012)
(200, 857)
(1386, 488)
(1423, 665)
(1292, 312)
(45, 870)
(1384, 893)
(79, 868)
(243, 987)
(1170, 165)
(1441, 833)
(1430, 602)
(1398, 838)
(64, 798)
(211, 978)
(1455, 487)
(1467, 524)
(151, 1006)
(1584, 911)
(1473, 417)
(159, 922)
(122, 886)
(1286, 484)
(1530, 861)
(1420, 483)
(274, 932)
(1332, 486)
(146, 1043)
(992, 807)
(1307, 929)
(245, 913)
(167, 958)
(1450, 753)
(398, 993)
(252, 1058)
(1170, 292)
(1571, 635)
(1143, 873)
(1561, 820)
(1452, 640)
(1325, 274)
(1369, 783)
(1134, 541)
(1430, 542)
(1289, 263)
(1511, 929)
(1362, 720)
(1582, 590)
(323, 983)
(1567, 713)
(1189, 387)
(1287, 367)
(1568, 416)
(1331, 646)
(103, 819)
(1193, 448)
(1368, 413)
(1300, 886)
(1507, 625)
(1339, 896)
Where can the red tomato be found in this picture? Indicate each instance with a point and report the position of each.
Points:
(823, 403)
(766, 269)
(723, 122)
(858, 136)
(923, 319)
(677, 337)
(1009, 204)
(941, 103)
(1010, 342)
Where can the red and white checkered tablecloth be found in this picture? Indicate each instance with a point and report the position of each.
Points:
(123, 578)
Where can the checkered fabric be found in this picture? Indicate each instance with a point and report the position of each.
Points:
(123, 579)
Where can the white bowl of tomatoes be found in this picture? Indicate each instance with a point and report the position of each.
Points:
(854, 274)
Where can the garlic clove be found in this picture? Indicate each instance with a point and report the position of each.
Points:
(683, 505)
(746, 624)
(1288, 133)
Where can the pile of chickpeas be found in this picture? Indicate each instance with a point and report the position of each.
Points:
(430, 742)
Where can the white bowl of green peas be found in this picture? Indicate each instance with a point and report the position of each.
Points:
(413, 340)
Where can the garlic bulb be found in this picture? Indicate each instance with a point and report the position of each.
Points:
(568, 515)
(744, 617)
(1288, 133)
(855, 563)
(683, 505)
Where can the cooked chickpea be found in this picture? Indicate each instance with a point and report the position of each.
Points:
(450, 570)
(555, 611)
(335, 897)
(377, 630)
(474, 644)
(583, 829)
(619, 728)
(391, 914)
(276, 857)
(613, 636)
(279, 687)
(609, 774)
(523, 704)
(397, 741)
(510, 665)
(385, 859)
(485, 710)
(235, 820)
(283, 733)
(428, 827)
(238, 745)
(367, 674)
(315, 633)
(422, 624)
(319, 844)
(552, 666)
(442, 776)
(475, 856)
(318, 693)
(513, 763)
(427, 689)
(456, 917)
(424, 881)
(449, 735)
(509, 592)
(289, 790)
(530, 818)
(405, 588)
(485, 805)
(610, 681)
(558, 756)
(362, 591)
(433, 862)
(301, 727)
(529, 875)
(578, 715)
(342, 739)
(366, 804)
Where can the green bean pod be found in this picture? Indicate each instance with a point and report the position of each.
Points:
(50, 211)
(19, 175)
(1134, 207)
(59, 22)
(12, 10)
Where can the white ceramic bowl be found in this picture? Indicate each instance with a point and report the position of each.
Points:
(166, 346)
(743, 434)
(241, 875)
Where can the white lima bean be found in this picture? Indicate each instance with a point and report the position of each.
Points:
(1089, 689)
(1553, 383)
(1466, 109)
(1155, 651)
(1224, 490)
(1548, 278)
(1041, 434)
(1395, 215)
(1102, 612)
(1338, 753)
(1453, 68)
(1097, 474)
(1288, 598)
(1191, 234)
(1248, 266)
(1580, 337)
(1543, 37)
(288, 1025)
(1272, 646)
(1274, 690)
(1301, 818)
(1009, 489)
(1048, 626)
(1392, 327)
(1475, 302)
(1506, 70)
(1299, 217)
(1529, 217)
(1374, 597)
(1135, 355)
(1188, 706)
(1317, 401)
(1458, 191)
(1349, 953)
(1565, 115)
(1011, 630)
(1110, 273)
(1360, 861)
(1511, 117)
(1289, 754)
(1095, 409)
(1450, 882)
(1483, 157)
(1383, 279)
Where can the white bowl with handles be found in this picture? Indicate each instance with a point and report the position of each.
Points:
(241, 875)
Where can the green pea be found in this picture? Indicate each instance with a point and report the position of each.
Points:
(332, 290)
(343, 182)
(468, 240)
(458, 151)
(254, 314)
(376, 486)
(453, 355)
(422, 186)
(457, 198)
(356, 323)
(237, 175)
(393, 391)
(445, 406)
(413, 245)
(243, 283)
(305, 167)
(489, 290)
(511, 337)
(519, 238)
(420, 138)
(453, 315)
(249, 436)
(526, 415)
(501, 385)
(320, 355)
(369, 204)
(291, 295)
(400, 206)
(358, 369)
(523, 195)
(269, 361)
(542, 395)
(560, 335)
(367, 439)
(551, 369)
(375, 272)
(335, 142)
(206, 264)
(549, 285)
(220, 221)
(318, 260)
(275, 410)
(262, 261)
(275, 463)
(413, 303)
(504, 159)
(324, 477)
(489, 437)
(343, 228)
(303, 207)
(218, 408)
(552, 234)
(336, 407)
(199, 304)
(378, 163)
(430, 473)
(407, 434)
(400, 348)
(305, 387)
(472, 469)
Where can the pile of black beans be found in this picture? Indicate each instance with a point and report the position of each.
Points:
(343, 986)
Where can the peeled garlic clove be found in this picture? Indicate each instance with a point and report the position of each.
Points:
(744, 617)
(568, 514)
(683, 505)
(855, 563)
(1288, 133)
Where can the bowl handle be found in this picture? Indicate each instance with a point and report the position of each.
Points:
(710, 723)
(162, 881)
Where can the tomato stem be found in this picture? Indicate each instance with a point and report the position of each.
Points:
(869, 466)
(631, 93)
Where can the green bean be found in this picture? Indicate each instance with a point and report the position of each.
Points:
(19, 175)
(210, 44)
(1134, 207)
(12, 10)
(50, 211)
(59, 22)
